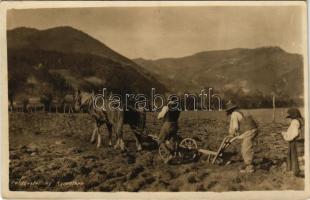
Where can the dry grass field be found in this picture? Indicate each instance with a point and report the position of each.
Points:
(52, 152)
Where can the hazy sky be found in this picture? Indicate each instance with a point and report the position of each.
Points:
(174, 31)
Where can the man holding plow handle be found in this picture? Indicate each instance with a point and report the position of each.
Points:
(245, 128)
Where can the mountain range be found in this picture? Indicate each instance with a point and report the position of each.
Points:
(266, 70)
(55, 61)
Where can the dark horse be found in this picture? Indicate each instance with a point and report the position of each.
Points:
(114, 120)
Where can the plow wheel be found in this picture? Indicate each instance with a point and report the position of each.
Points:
(188, 143)
(189, 147)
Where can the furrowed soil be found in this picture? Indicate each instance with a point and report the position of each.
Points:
(53, 152)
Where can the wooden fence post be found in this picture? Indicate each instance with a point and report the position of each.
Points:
(274, 108)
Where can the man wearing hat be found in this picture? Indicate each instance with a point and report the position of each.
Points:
(169, 129)
(245, 128)
(291, 136)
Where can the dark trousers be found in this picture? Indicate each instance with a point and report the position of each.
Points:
(292, 158)
(169, 132)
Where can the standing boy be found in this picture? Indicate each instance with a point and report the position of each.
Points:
(291, 136)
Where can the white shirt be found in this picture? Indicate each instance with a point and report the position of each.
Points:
(235, 119)
(163, 112)
(292, 131)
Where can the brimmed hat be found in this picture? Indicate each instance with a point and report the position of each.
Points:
(293, 113)
(230, 106)
(172, 102)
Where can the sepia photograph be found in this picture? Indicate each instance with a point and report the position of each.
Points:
(172, 99)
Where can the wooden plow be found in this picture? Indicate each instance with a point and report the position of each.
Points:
(214, 155)
(190, 149)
